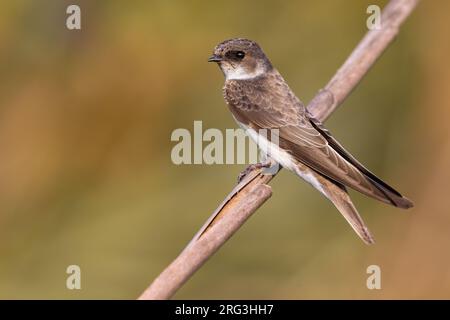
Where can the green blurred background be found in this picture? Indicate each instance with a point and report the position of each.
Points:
(86, 176)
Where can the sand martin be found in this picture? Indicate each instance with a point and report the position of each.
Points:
(259, 98)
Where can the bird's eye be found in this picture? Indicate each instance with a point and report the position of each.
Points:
(235, 55)
(240, 55)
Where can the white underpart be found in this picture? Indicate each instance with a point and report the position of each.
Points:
(240, 73)
(309, 177)
(283, 158)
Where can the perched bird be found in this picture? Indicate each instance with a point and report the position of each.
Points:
(259, 98)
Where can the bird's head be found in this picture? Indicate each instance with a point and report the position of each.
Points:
(240, 59)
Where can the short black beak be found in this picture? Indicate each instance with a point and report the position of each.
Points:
(214, 58)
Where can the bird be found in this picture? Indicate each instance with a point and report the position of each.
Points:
(260, 99)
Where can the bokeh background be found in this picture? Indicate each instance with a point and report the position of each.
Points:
(86, 176)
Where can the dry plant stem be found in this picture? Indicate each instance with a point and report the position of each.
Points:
(253, 190)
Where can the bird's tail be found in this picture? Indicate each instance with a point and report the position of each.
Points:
(338, 195)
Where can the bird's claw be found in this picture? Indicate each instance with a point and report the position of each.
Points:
(252, 167)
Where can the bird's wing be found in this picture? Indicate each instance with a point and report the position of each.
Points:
(389, 193)
(262, 107)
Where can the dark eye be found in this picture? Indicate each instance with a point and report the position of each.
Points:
(240, 55)
(235, 55)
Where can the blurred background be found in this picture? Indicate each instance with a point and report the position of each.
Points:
(86, 176)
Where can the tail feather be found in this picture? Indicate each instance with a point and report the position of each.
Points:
(338, 195)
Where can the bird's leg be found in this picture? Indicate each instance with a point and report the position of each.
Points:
(265, 163)
(252, 167)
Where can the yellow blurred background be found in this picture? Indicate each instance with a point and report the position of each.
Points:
(86, 176)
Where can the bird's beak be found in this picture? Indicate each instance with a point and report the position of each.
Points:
(214, 58)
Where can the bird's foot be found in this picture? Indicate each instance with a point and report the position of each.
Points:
(252, 167)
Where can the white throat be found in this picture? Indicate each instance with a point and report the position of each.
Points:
(240, 73)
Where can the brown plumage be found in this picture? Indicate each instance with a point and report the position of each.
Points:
(259, 98)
